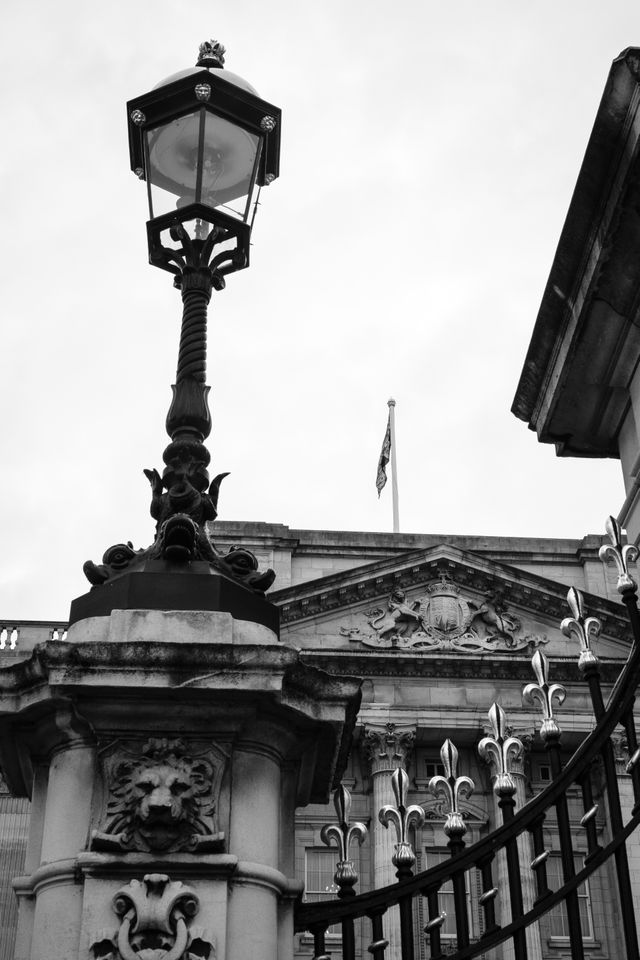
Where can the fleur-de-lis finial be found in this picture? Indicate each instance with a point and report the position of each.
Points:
(500, 751)
(343, 833)
(454, 789)
(544, 694)
(583, 629)
(621, 555)
(401, 816)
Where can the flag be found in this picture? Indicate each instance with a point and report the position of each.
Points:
(385, 455)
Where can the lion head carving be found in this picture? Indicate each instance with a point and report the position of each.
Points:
(161, 799)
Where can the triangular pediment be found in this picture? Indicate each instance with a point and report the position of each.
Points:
(442, 602)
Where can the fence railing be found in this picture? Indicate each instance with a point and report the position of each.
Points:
(500, 750)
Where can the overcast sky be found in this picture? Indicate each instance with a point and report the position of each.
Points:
(429, 153)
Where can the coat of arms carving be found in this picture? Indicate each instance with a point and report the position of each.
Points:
(442, 619)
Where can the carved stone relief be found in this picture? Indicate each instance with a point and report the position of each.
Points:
(444, 620)
(620, 744)
(437, 809)
(155, 924)
(161, 796)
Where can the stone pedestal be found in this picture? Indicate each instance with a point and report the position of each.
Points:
(165, 753)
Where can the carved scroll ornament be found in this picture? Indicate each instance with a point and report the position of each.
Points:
(155, 924)
(162, 797)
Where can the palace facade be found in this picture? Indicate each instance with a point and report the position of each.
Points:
(438, 628)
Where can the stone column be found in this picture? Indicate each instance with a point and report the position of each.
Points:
(525, 844)
(386, 747)
(517, 770)
(625, 787)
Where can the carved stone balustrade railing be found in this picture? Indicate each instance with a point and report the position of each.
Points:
(19, 637)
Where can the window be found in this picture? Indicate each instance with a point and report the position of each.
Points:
(445, 895)
(434, 768)
(319, 868)
(14, 827)
(544, 772)
(558, 920)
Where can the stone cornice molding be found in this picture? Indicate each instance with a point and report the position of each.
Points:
(274, 679)
(600, 228)
(218, 866)
(414, 664)
(46, 875)
(387, 746)
(376, 581)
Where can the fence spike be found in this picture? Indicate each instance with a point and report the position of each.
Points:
(621, 556)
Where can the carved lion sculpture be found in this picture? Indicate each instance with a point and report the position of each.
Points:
(160, 800)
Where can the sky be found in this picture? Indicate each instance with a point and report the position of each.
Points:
(429, 154)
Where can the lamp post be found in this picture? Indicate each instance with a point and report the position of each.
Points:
(205, 143)
(168, 739)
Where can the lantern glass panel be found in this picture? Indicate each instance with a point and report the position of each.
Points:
(201, 158)
(229, 163)
(173, 153)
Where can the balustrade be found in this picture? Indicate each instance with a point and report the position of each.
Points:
(19, 637)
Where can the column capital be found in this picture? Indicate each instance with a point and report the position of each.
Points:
(387, 746)
(522, 766)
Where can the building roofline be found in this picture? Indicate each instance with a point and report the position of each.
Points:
(581, 249)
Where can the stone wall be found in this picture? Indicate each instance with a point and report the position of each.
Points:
(298, 555)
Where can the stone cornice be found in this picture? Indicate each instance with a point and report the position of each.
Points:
(376, 581)
(509, 667)
(80, 690)
(588, 316)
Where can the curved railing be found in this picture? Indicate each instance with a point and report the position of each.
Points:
(500, 749)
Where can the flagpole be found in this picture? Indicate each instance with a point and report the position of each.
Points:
(394, 472)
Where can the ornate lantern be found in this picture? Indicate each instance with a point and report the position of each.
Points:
(205, 143)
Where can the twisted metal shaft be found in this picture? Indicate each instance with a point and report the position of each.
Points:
(192, 356)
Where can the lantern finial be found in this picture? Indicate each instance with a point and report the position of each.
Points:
(211, 54)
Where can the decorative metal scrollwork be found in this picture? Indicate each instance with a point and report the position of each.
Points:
(621, 556)
(453, 788)
(500, 750)
(402, 817)
(582, 628)
(544, 694)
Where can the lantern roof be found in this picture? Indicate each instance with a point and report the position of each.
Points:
(224, 93)
(190, 71)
